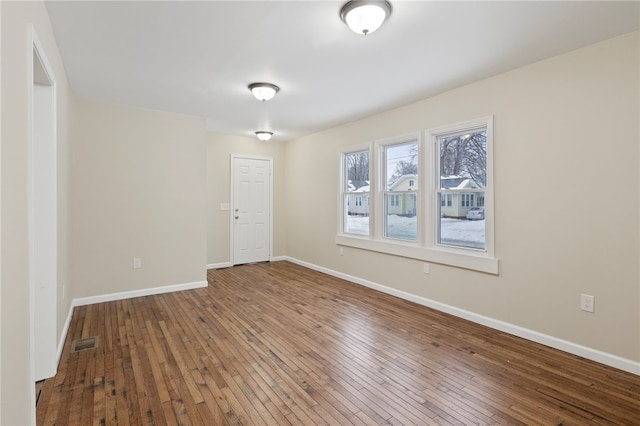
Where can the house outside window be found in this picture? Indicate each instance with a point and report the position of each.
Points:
(461, 175)
(355, 192)
(401, 165)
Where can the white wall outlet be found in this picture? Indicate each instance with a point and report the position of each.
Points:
(341, 251)
(587, 303)
(137, 263)
(425, 268)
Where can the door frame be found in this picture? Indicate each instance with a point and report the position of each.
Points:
(233, 157)
(42, 211)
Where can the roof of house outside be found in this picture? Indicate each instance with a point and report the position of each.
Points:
(456, 182)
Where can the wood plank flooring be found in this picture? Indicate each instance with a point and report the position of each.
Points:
(278, 344)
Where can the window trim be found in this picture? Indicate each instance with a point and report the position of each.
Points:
(426, 254)
(426, 247)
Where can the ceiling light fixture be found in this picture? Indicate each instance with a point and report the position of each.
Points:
(365, 16)
(263, 135)
(263, 91)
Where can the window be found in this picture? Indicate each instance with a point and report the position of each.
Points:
(446, 200)
(462, 173)
(430, 199)
(467, 200)
(355, 192)
(401, 204)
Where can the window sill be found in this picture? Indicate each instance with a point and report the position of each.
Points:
(470, 261)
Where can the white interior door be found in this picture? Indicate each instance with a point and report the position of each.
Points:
(251, 210)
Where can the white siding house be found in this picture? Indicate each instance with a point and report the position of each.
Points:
(456, 202)
(404, 202)
(358, 200)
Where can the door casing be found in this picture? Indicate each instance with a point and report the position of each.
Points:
(42, 213)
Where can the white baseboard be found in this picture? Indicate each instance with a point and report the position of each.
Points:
(119, 296)
(545, 339)
(229, 264)
(63, 336)
(219, 265)
(136, 293)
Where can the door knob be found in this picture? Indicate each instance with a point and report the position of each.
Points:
(237, 217)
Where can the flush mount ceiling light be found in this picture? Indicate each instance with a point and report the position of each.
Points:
(263, 91)
(264, 135)
(365, 16)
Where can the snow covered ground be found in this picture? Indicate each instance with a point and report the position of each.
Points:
(461, 232)
(456, 232)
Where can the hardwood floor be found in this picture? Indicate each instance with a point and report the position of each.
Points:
(275, 343)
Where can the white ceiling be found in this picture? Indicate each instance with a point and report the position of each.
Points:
(198, 57)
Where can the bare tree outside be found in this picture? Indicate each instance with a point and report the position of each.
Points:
(465, 156)
(357, 164)
(407, 162)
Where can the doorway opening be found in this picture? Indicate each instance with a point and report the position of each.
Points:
(42, 214)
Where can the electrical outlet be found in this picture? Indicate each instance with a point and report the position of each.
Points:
(137, 263)
(341, 251)
(587, 303)
(425, 268)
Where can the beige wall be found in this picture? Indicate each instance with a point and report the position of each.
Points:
(17, 389)
(138, 190)
(566, 151)
(219, 149)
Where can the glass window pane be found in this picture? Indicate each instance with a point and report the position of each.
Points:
(356, 199)
(462, 225)
(463, 160)
(357, 213)
(400, 220)
(356, 166)
(401, 166)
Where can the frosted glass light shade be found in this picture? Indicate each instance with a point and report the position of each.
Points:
(263, 91)
(364, 17)
(264, 135)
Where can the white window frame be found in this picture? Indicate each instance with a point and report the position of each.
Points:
(426, 247)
